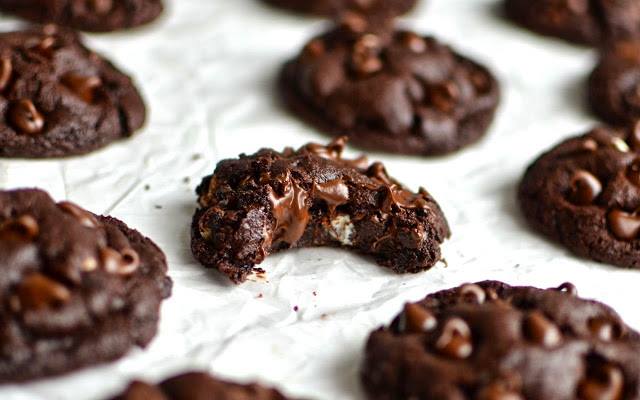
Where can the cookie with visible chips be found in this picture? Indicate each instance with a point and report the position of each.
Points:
(389, 90)
(614, 84)
(332, 8)
(86, 15)
(492, 341)
(57, 98)
(590, 22)
(196, 386)
(76, 289)
(585, 194)
(270, 201)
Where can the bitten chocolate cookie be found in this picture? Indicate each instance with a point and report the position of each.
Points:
(491, 341)
(58, 99)
(585, 194)
(196, 386)
(614, 85)
(270, 201)
(335, 7)
(580, 21)
(390, 91)
(86, 15)
(77, 289)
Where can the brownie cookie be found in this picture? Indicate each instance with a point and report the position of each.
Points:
(86, 15)
(388, 90)
(585, 194)
(270, 201)
(614, 85)
(491, 341)
(197, 386)
(58, 99)
(336, 7)
(580, 21)
(77, 289)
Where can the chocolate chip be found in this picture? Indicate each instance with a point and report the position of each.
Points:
(497, 391)
(540, 330)
(473, 294)
(290, 210)
(353, 22)
(569, 288)
(120, 263)
(314, 48)
(84, 87)
(334, 193)
(87, 219)
(25, 117)
(444, 96)
(633, 172)
(604, 329)
(584, 189)
(605, 383)
(414, 42)
(6, 69)
(623, 225)
(46, 46)
(481, 81)
(455, 339)
(101, 6)
(37, 291)
(365, 58)
(416, 319)
(25, 227)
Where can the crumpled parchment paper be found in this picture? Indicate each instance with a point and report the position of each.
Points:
(207, 71)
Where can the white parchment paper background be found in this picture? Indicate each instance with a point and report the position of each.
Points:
(207, 70)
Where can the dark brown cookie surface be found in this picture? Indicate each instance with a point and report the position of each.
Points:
(336, 7)
(580, 21)
(585, 193)
(57, 98)
(76, 289)
(270, 201)
(391, 91)
(491, 341)
(614, 85)
(86, 15)
(198, 386)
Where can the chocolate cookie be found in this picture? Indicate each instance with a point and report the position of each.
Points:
(77, 289)
(336, 7)
(57, 98)
(196, 386)
(270, 201)
(614, 85)
(388, 90)
(491, 341)
(585, 194)
(86, 15)
(580, 21)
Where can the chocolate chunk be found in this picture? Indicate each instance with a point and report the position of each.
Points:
(390, 90)
(270, 201)
(86, 15)
(590, 22)
(66, 306)
(584, 194)
(61, 98)
(520, 343)
(416, 319)
(196, 386)
(25, 117)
